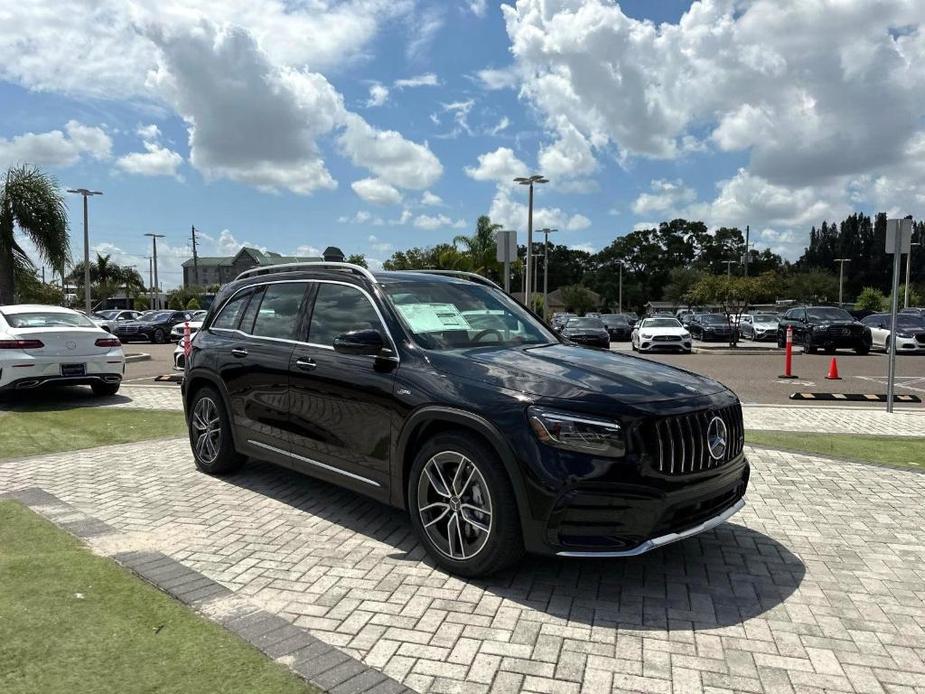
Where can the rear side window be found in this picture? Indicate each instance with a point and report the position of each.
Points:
(278, 315)
(340, 309)
(231, 312)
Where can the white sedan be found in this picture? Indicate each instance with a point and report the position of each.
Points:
(910, 332)
(176, 333)
(660, 332)
(48, 345)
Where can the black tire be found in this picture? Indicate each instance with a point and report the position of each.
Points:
(104, 389)
(781, 340)
(863, 349)
(225, 459)
(158, 337)
(808, 345)
(504, 543)
(830, 349)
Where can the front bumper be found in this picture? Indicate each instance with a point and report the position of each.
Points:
(662, 540)
(653, 346)
(591, 341)
(909, 344)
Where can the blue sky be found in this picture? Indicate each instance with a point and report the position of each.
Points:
(376, 125)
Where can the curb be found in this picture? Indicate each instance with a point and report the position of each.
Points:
(140, 356)
(309, 657)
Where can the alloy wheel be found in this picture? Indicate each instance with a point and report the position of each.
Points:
(207, 430)
(454, 505)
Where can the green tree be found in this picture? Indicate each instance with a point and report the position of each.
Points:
(811, 286)
(357, 259)
(681, 280)
(481, 247)
(577, 298)
(870, 299)
(107, 278)
(193, 304)
(31, 290)
(31, 202)
(734, 294)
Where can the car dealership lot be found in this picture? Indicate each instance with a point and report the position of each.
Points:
(816, 583)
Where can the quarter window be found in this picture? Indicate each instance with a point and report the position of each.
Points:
(228, 318)
(247, 320)
(340, 309)
(278, 315)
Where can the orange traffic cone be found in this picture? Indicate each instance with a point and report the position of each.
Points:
(833, 371)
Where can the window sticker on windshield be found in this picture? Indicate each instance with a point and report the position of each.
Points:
(433, 318)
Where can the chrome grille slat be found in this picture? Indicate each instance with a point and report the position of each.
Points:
(678, 444)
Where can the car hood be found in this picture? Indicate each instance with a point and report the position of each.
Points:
(838, 323)
(584, 331)
(139, 324)
(765, 325)
(571, 372)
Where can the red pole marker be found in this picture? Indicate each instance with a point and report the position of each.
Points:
(788, 359)
(833, 371)
(187, 347)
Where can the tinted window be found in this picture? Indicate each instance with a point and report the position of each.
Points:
(247, 319)
(48, 320)
(231, 312)
(278, 315)
(660, 323)
(713, 319)
(340, 309)
(585, 323)
(829, 314)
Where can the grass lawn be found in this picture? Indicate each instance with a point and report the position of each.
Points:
(39, 431)
(905, 451)
(71, 621)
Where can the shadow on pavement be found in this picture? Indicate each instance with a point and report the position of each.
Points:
(720, 578)
(56, 398)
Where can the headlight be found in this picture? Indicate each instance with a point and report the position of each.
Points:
(904, 336)
(645, 336)
(685, 336)
(577, 433)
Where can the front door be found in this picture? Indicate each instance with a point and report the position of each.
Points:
(341, 405)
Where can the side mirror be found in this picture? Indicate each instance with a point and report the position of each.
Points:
(367, 341)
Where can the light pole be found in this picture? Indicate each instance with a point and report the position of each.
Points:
(841, 276)
(620, 295)
(546, 232)
(86, 194)
(157, 295)
(908, 271)
(529, 181)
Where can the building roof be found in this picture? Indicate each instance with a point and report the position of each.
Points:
(259, 257)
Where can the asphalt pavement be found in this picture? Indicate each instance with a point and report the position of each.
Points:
(753, 376)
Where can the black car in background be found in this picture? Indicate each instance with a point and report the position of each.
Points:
(825, 327)
(497, 440)
(709, 326)
(618, 326)
(587, 331)
(153, 326)
(560, 319)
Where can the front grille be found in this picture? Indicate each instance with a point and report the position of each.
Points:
(127, 329)
(667, 338)
(838, 332)
(920, 338)
(678, 445)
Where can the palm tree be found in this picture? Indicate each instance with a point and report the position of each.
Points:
(108, 278)
(481, 246)
(31, 202)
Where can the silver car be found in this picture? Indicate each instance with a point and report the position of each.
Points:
(758, 326)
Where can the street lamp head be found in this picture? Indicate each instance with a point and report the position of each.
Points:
(530, 180)
(84, 191)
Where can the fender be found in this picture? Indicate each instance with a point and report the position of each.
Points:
(466, 419)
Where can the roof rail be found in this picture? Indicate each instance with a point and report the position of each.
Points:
(295, 267)
(472, 276)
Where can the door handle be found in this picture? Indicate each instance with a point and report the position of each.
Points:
(306, 363)
(239, 352)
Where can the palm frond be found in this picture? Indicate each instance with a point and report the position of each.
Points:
(39, 212)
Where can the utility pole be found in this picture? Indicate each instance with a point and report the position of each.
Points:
(841, 276)
(195, 257)
(157, 295)
(86, 194)
(43, 275)
(747, 246)
(546, 232)
(529, 181)
(729, 264)
(908, 273)
(150, 282)
(620, 295)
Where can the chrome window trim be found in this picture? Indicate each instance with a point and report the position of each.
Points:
(394, 346)
(323, 466)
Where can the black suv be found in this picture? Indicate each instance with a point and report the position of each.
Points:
(153, 326)
(827, 327)
(439, 394)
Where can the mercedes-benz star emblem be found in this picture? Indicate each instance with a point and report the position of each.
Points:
(716, 438)
(70, 344)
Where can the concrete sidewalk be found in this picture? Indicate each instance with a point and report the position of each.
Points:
(835, 420)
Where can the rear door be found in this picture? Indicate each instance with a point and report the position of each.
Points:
(255, 364)
(341, 405)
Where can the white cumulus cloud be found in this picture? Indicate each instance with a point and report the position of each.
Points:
(376, 191)
(56, 147)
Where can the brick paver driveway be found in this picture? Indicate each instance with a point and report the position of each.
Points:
(819, 584)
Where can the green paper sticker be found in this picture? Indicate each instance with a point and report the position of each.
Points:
(433, 318)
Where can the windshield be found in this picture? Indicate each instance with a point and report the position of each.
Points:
(458, 315)
(585, 323)
(614, 318)
(106, 315)
(765, 318)
(660, 323)
(713, 319)
(154, 316)
(828, 314)
(50, 319)
(908, 321)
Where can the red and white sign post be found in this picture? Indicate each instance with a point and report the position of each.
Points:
(788, 359)
(187, 347)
